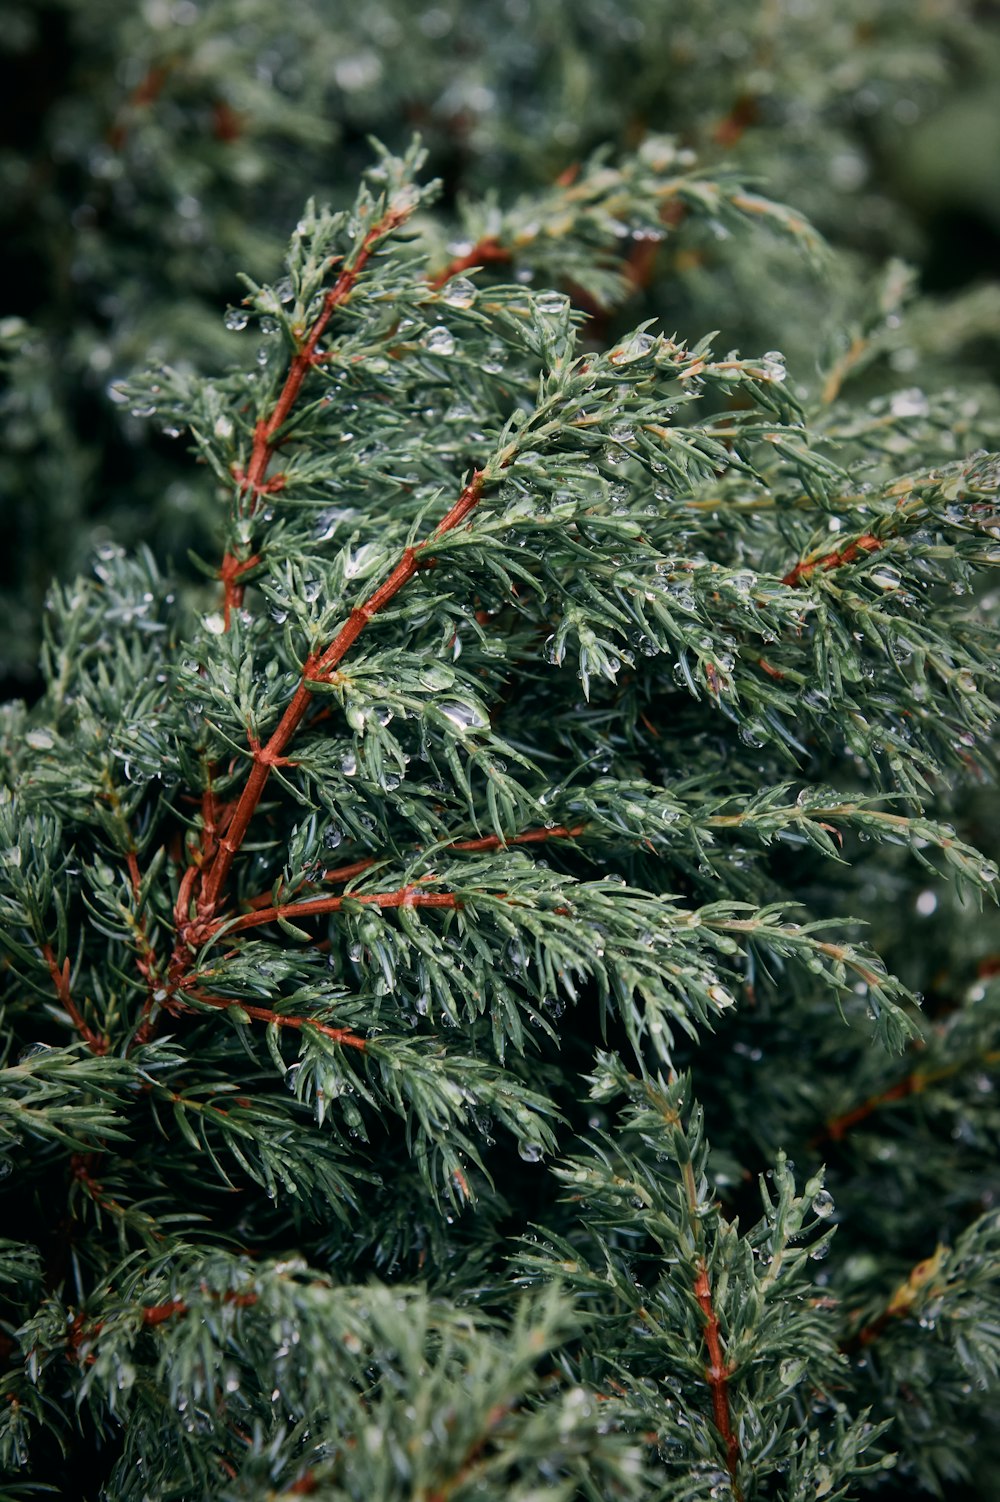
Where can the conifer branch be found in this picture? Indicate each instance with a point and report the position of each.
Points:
(318, 669)
(341, 1035)
(529, 837)
(483, 843)
(658, 518)
(266, 432)
(719, 1370)
(408, 896)
(253, 481)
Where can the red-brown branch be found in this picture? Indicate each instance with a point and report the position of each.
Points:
(717, 1375)
(487, 842)
(529, 837)
(744, 113)
(266, 438)
(838, 1126)
(158, 1314)
(146, 961)
(268, 430)
(485, 250)
(827, 561)
(60, 979)
(231, 571)
(914, 1083)
(309, 907)
(909, 1293)
(342, 873)
(318, 669)
(341, 1035)
(146, 92)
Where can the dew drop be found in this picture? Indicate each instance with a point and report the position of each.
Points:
(464, 717)
(439, 341)
(459, 292)
(822, 1203)
(790, 1370)
(436, 675)
(633, 349)
(909, 403)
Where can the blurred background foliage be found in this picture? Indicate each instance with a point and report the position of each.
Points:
(152, 150)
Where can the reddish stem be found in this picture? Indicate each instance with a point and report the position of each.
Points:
(902, 1302)
(529, 837)
(847, 554)
(485, 250)
(60, 979)
(717, 1375)
(309, 907)
(342, 873)
(487, 842)
(230, 572)
(265, 437)
(838, 1126)
(318, 669)
(145, 93)
(341, 1035)
(158, 1314)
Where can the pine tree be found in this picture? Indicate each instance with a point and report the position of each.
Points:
(428, 937)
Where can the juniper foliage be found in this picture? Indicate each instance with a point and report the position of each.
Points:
(425, 939)
(154, 151)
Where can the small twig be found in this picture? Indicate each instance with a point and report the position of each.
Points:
(485, 250)
(341, 1035)
(252, 479)
(717, 1375)
(842, 368)
(146, 92)
(906, 1295)
(408, 896)
(60, 979)
(827, 561)
(914, 1083)
(487, 842)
